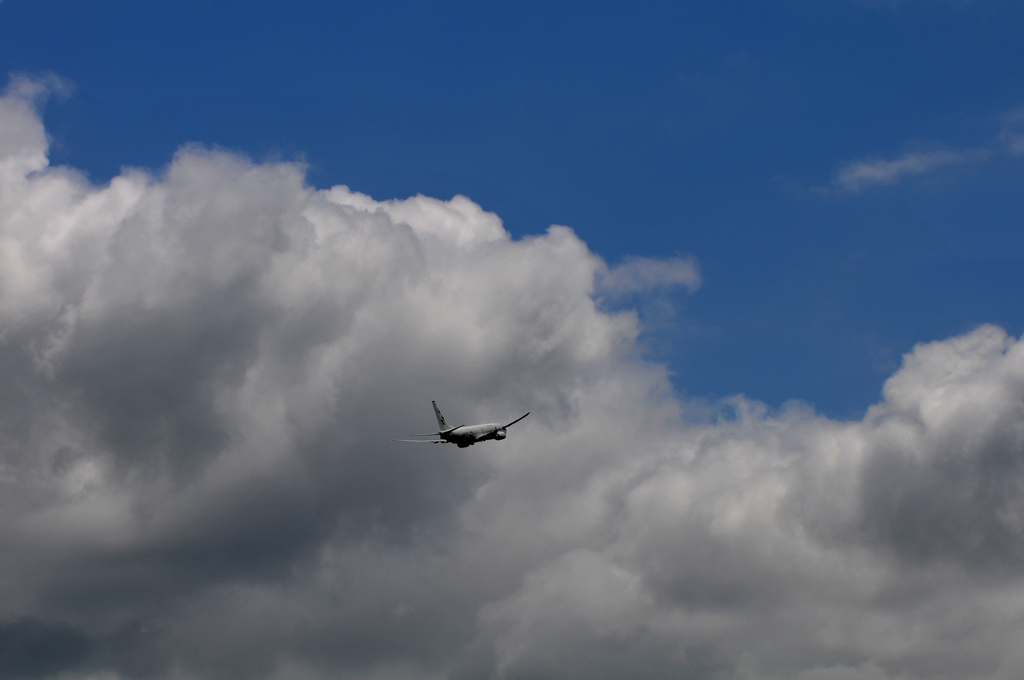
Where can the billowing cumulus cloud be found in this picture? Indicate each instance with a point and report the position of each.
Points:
(201, 372)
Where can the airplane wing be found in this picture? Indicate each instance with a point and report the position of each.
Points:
(516, 420)
(421, 441)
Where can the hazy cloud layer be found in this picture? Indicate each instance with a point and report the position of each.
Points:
(201, 372)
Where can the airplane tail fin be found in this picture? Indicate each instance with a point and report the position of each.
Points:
(442, 426)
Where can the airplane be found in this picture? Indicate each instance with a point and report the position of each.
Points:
(462, 436)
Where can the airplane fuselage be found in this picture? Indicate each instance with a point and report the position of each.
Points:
(463, 435)
(467, 435)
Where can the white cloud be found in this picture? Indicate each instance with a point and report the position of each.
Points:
(644, 274)
(864, 174)
(1012, 133)
(201, 372)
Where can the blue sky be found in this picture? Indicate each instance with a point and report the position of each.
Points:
(718, 130)
(244, 245)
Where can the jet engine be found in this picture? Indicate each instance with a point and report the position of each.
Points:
(500, 434)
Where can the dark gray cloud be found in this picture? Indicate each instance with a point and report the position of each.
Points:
(30, 648)
(201, 373)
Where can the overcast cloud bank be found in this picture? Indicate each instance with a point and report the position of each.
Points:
(201, 372)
